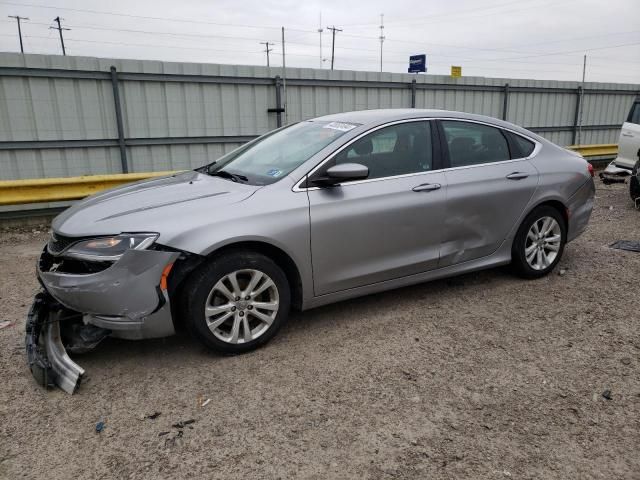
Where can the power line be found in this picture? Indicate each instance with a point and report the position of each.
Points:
(411, 42)
(60, 29)
(18, 18)
(146, 17)
(437, 15)
(333, 42)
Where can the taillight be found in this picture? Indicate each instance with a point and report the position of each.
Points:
(590, 168)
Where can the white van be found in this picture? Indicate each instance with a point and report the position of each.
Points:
(629, 142)
(628, 150)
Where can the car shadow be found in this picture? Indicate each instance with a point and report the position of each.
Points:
(182, 348)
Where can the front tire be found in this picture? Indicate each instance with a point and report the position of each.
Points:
(539, 242)
(237, 302)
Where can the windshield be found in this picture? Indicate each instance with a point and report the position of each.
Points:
(273, 156)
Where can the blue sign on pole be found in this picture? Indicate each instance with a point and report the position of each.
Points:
(418, 63)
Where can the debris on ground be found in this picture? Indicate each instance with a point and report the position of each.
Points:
(171, 442)
(152, 416)
(562, 271)
(629, 245)
(625, 361)
(100, 425)
(205, 403)
(606, 394)
(183, 423)
(161, 434)
(5, 324)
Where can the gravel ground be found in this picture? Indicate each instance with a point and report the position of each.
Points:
(480, 376)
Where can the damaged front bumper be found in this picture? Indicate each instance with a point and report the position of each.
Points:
(124, 299)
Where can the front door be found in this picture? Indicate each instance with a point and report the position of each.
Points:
(387, 226)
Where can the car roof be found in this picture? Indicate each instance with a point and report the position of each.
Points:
(380, 116)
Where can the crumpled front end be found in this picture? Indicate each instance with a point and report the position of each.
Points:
(83, 302)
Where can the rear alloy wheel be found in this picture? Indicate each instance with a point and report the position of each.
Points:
(237, 301)
(539, 243)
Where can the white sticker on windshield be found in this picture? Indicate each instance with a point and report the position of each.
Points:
(343, 127)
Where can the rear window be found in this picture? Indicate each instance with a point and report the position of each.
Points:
(634, 114)
(524, 146)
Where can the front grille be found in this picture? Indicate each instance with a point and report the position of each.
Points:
(49, 263)
(58, 243)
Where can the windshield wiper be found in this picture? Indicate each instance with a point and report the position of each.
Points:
(236, 177)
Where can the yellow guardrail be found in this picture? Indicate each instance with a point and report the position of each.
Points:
(16, 192)
(604, 150)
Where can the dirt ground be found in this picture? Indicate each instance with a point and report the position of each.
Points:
(480, 376)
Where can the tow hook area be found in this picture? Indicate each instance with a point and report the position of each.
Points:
(48, 360)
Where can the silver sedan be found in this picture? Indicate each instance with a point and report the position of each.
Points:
(313, 213)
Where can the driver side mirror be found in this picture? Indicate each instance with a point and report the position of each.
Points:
(342, 173)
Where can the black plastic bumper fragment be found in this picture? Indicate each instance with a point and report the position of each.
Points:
(36, 355)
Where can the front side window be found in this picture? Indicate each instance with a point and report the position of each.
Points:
(275, 155)
(394, 150)
(474, 143)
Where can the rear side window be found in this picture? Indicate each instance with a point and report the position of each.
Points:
(523, 146)
(634, 114)
(474, 143)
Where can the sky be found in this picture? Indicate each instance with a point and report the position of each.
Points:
(538, 39)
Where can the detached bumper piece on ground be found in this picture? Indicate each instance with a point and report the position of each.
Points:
(614, 174)
(47, 357)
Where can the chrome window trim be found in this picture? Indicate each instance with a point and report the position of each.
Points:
(299, 188)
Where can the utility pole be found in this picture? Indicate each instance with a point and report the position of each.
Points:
(333, 42)
(18, 18)
(381, 37)
(584, 70)
(60, 29)
(284, 80)
(320, 34)
(267, 49)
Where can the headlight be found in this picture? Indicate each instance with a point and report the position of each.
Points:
(110, 248)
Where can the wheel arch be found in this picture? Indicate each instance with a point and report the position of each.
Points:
(557, 205)
(551, 202)
(278, 255)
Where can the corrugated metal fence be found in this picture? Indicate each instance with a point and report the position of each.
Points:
(68, 116)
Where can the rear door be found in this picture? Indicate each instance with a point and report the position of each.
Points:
(489, 183)
(387, 226)
(629, 142)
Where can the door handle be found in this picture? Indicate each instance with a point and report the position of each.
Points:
(627, 134)
(427, 187)
(517, 175)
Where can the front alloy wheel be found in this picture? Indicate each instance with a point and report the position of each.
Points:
(242, 306)
(237, 301)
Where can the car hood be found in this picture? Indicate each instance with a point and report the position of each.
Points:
(149, 205)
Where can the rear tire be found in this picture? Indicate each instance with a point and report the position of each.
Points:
(236, 302)
(539, 243)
